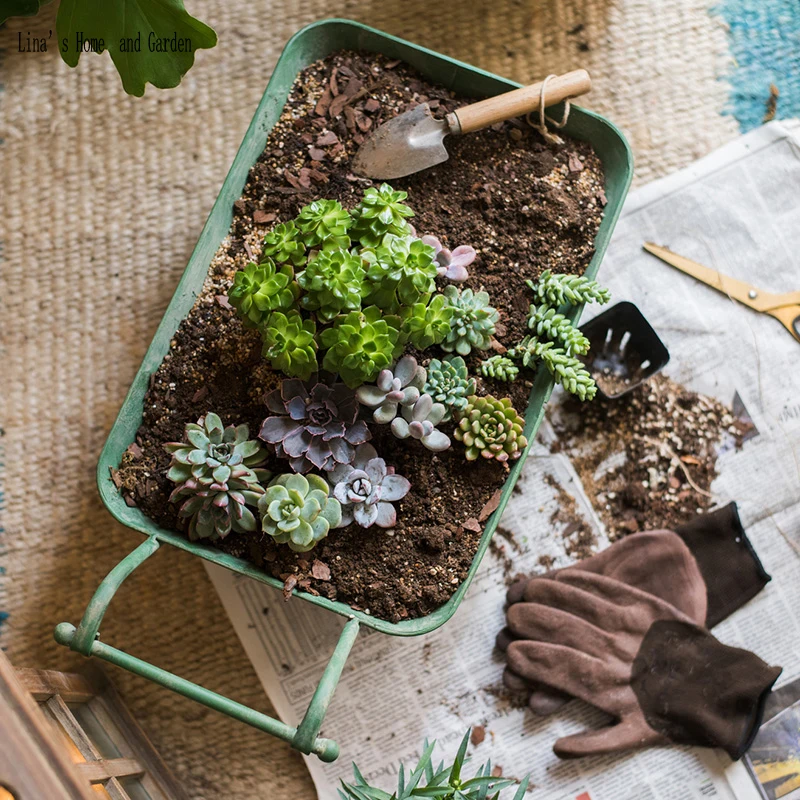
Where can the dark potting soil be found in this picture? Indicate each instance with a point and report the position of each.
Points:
(525, 206)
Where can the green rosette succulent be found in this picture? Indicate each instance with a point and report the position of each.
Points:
(472, 323)
(360, 344)
(558, 289)
(283, 244)
(298, 510)
(491, 429)
(381, 211)
(500, 368)
(400, 272)
(290, 344)
(333, 283)
(259, 289)
(448, 383)
(546, 322)
(324, 223)
(217, 478)
(426, 325)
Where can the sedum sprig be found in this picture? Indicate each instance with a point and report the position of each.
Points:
(381, 211)
(324, 223)
(289, 343)
(500, 368)
(547, 323)
(558, 289)
(333, 283)
(567, 370)
(259, 289)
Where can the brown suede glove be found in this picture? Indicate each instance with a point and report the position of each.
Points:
(639, 659)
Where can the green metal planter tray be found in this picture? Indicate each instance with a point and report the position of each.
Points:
(308, 45)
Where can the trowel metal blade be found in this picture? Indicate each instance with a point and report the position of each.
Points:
(406, 144)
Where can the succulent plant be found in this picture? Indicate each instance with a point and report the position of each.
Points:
(401, 271)
(289, 343)
(217, 477)
(425, 325)
(491, 428)
(333, 283)
(315, 424)
(546, 322)
(500, 368)
(283, 243)
(419, 422)
(473, 321)
(367, 488)
(445, 783)
(324, 223)
(556, 290)
(451, 264)
(259, 289)
(381, 211)
(449, 384)
(567, 370)
(211, 451)
(396, 387)
(298, 510)
(361, 344)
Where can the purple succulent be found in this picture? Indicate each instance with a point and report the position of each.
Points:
(366, 489)
(452, 264)
(316, 424)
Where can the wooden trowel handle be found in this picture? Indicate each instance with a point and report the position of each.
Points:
(519, 101)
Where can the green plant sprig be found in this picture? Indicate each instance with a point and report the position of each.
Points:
(546, 322)
(558, 289)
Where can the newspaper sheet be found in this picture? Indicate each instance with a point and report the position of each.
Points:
(737, 210)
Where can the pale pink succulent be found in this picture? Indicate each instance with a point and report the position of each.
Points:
(451, 264)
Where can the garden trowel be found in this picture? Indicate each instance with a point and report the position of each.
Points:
(414, 140)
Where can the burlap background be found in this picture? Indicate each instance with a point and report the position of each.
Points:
(103, 196)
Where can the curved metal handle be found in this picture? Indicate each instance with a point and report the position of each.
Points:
(85, 640)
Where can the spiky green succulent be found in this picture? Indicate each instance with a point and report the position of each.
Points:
(401, 271)
(260, 289)
(217, 476)
(449, 383)
(547, 323)
(500, 368)
(445, 782)
(473, 322)
(298, 510)
(381, 211)
(426, 324)
(283, 243)
(333, 283)
(360, 344)
(567, 370)
(324, 223)
(491, 429)
(558, 289)
(289, 343)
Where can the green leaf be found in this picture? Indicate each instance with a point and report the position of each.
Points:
(18, 8)
(148, 22)
(455, 775)
(433, 791)
(523, 787)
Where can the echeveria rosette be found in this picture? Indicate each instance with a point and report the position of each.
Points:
(314, 424)
(324, 223)
(448, 383)
(396, 387)
(401, 271)
(283, 243)
(546, 322)
(290, 344)
(419, 422)
(473, 322)
(381, 211)
(367, 488)
(298, 510)
(333, 283)
(211, 451)
(259, 289)
(499, 368)
(451, 264)
(360, 344)
(558, 289)
(491, 429)
(426, 325)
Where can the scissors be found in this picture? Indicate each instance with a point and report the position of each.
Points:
(784, 307)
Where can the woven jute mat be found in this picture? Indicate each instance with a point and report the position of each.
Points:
(102, 197)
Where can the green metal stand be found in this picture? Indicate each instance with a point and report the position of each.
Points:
(85, 640)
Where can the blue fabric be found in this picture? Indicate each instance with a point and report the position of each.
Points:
(764, 37)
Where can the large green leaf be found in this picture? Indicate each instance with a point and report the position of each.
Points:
(18, 8)
(149, 22)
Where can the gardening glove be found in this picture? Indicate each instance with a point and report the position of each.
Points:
(639, 659)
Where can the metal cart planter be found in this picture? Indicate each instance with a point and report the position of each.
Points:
(308, 45)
